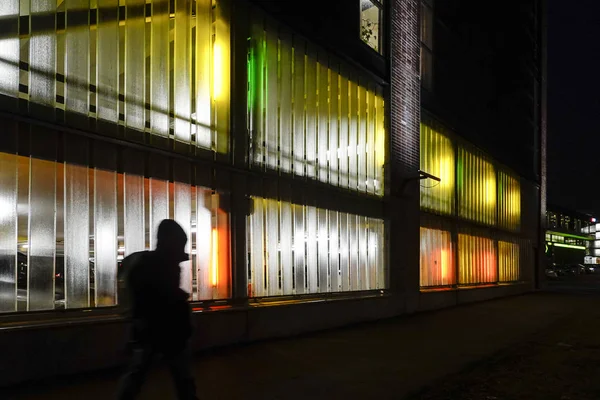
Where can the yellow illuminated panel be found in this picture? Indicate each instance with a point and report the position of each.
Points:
(476, 188)
(509, 267)
(437, 258)
(477, 260)
(509, 201)
(437, 159)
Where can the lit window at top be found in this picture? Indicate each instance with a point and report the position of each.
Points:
(371, 23)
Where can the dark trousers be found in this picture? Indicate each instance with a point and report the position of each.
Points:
(179, 363)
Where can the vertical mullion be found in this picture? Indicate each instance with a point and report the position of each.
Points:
(107, 60)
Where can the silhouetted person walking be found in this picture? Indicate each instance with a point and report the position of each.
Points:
(160, 311)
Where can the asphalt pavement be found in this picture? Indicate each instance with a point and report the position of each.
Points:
(446, 354)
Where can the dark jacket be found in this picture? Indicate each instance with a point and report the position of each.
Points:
(158, 306)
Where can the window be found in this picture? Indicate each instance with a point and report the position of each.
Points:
(437, 159)
(311, 115)
(437, 258)
(477, 260)
(297, 249)
(509, 201)
(371, 23)
(139, 66)
(508, 259)
(427, 44)
(64, 233)
(476, 187)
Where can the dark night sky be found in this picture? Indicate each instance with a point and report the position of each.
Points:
(574, 104)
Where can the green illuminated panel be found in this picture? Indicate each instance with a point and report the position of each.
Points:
(568, 246)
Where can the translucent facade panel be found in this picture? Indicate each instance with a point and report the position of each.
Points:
(77, 56)
(42, 54)
(134, 224)
(166, 73)
(42, 235)
(9, 48)
(321, 256)
(105, 237)
(437, 258)
(77, 237)
(476, 260)
(370, 25)
(182, 203)
(476, 188)
(303, 99)
(509, 202)
(8, 227)
(159, 206)
(508, 259)
(437, 159)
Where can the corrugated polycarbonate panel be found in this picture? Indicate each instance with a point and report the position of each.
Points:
(321, 253)
(301, 98)
(221, 75)
(42, 235)
(477, 188)
(9, 48)
(105, 237)
(437, 159)
(477, 260)
(509, 261)
(135, 65)
(107, 60)
(159, 206)
(437, 258)
(203, 52)
(203, 244)
(42, 53)
(8, 227)
(77, 237)
(182, 199)
(182, 71)
(134, 224)
(77, 34)
(159, 68)
(509, 201)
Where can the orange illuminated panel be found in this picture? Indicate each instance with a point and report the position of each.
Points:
(477, 260)
(437, 258)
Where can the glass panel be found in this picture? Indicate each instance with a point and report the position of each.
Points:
(353, 136)
(203, 72)
(312, 260)
(42, 52)
(159, 206)
(257, 263)
(323, 117)
(437, 259)
(379, 144)
(477, 260)
(344, 252)
(353, 249)
(437, 159)
(135, 64)
(344, 131)
(135, 230)
(323, 249)
(509, 202)
(333, 150)
(105, 237)
(77, 242)
(271, 100)
(370, 26)
(221, 76)
(203, 244)
(334, 252)
(285, 101)
(477, 188)
(9, 48)
(42, 235)
(272, 247)
(299, 250)
(298, 106)
(77, 55)
(508, 254)
(182, 72)
(183, 215)
(370, 143)
(310, 83)
(159, 68)
(8, 227)
(362, 139)
(108, 63)
(372, 245)
(256, 92)
(285, 242)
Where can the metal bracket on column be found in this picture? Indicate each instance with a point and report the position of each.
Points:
(419, 176)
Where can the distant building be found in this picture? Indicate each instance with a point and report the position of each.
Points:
(568, 236)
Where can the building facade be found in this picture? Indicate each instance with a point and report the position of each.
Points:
(569, 237)
(289, 144)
